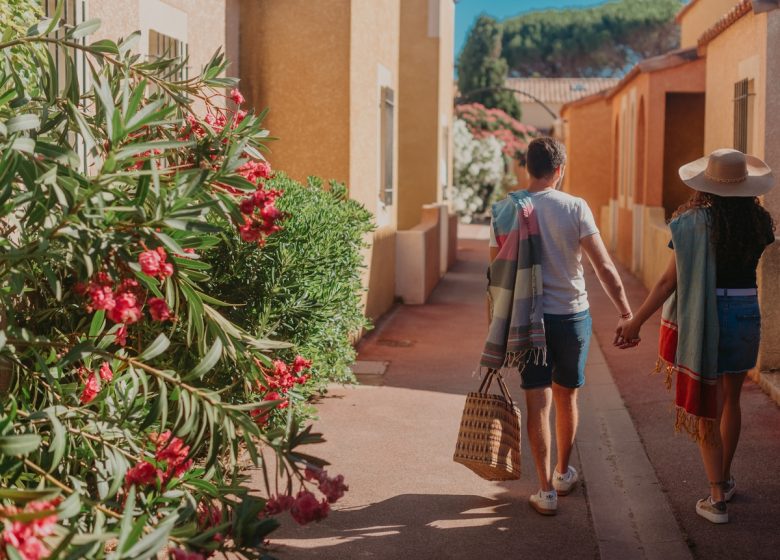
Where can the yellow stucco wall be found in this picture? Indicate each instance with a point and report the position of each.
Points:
(205, 25)
(589, 149)
(425, 105)
(738, 53)
(701, 15)
(304, 82)
(373, 59)
(741, 52)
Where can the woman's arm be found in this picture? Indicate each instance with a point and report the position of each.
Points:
(664, 288)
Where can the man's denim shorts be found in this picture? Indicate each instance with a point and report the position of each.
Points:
(740, 333)
(568, 342)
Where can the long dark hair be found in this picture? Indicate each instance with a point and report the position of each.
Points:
(739, 225)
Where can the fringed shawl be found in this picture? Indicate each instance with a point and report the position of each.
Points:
(689, 327)
(515, 286)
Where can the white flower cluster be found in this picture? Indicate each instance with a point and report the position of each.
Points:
(479, 170)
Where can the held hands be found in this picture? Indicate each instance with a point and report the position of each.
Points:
(627, 333)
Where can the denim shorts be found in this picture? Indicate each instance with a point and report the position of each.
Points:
(568, 342)
(740, 333)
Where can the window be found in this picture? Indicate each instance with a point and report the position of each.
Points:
(74, 12)
(743, 115)
(164, 46)
(386, 145)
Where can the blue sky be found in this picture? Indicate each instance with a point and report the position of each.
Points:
(466, 11)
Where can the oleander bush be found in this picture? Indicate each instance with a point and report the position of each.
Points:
(305, 286)
(118, 437)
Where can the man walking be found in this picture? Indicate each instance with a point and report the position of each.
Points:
(540, 318)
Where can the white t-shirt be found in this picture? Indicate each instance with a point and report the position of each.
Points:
(563, 221)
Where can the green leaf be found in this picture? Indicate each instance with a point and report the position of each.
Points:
(58, 442)
(209, 361)
(169, 242)
(105, 46)
(22, 496)
(19, 445)
(22, 122)
(23, 144)
(156, 348)
(84, 29)
(97, 324)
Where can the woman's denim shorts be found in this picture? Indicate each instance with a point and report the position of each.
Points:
(568, 342)
(740, 333)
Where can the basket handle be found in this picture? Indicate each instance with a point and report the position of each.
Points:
(488, 380)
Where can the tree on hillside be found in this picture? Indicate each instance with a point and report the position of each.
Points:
(598, 41)
(481, 66)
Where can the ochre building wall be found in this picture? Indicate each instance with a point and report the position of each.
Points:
(589, 153)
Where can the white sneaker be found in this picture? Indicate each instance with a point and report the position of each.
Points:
(714, 512)
(730, 489)
(565, 483)
(545, 503)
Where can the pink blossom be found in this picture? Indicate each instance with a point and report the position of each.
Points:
(154, 263)
(120, 336)
(142, 474)
(100, 297)
(174, 452)
(105, 372)
(26, 536)
(91, 389)
(236, 97)
(159, 309)
(126, 309)
(333, 488)
(300, 363)
(247, 206)
(181, 554)
(306, 508)
(277, 504)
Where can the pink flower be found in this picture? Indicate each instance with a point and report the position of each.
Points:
(306, 508)
(181, 554)
(126, 310)
(247, 206)
(100, 297)
(91, 389)
(154, 263)
(25, 536)
(253, 171)
(173, 451)
(333, 488)
(277, 504)
(159, 309)
(120, 336)
(300, 364)
(236, 97)
(274, 396)
(142, 474)
(105, 372)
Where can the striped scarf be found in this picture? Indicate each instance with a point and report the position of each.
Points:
(515, 286)
(688, 344)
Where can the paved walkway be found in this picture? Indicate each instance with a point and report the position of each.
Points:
(409, 500)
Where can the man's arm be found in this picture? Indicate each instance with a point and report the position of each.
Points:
(606, 271)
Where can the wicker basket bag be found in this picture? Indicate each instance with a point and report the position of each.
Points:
(489, 437)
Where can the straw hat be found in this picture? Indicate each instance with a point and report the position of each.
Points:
(727, 172)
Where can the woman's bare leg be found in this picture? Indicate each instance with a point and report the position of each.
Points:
(712, 452)
(731, 419)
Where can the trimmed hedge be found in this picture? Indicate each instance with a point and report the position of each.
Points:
(305, 286)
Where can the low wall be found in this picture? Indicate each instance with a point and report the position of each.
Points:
(418, 258)
(381, 273)
(452, 241)
(655, 250)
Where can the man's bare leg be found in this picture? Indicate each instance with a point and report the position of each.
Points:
(539, 402)
(566, 419)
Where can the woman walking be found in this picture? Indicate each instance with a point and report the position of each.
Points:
(711, 324)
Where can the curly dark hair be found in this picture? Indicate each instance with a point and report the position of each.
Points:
(739, 226)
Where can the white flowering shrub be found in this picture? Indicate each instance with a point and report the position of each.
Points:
(480, 172)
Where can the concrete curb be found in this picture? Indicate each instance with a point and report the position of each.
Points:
(769, 382)
(631, 515)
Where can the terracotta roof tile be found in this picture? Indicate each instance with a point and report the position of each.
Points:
(726, 21)
(559, 90)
